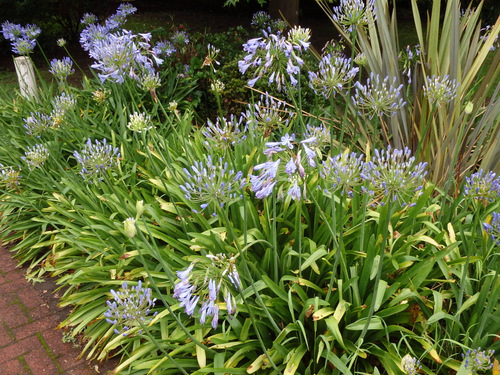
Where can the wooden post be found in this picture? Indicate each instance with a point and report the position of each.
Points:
(26, 76)
(288, 8)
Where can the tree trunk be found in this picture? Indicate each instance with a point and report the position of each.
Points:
(289, 9)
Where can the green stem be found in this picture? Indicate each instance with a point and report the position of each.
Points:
(347, 93)
(298, 233)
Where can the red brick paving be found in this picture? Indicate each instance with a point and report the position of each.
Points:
(30, 344)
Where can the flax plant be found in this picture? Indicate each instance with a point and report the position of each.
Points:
(453, 134)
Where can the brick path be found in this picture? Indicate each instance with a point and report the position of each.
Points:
(29, 341)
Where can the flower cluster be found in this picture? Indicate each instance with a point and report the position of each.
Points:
(268, 114)
(123, 54)
(119, 18)
(410, 365)
(209, 182)
(180, 38)
(139, 122)
(62, 105)
(408, 59)
(478, 360)
(95, 158)
(393, 175)
(61, 69)
(440, 90)
(99, 96)
(334, 73)
(482, 186)
(22, 39)
(263, 184)
(118, 53)
(261, 20)
(493, 228)
(37, 123)
(378, 96)
(486, 34)
(217, 87)
(94, 32)
(299, 38)
(9, 177)
(130, 308)
(164, 49)
(224, 133)
(150, 81)
(203, 281)
(210, 58)
(275, 56)
(35, 156)
(352, 13)
(342, 172)
(321, 134)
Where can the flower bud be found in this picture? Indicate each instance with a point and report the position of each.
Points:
(139, 206)
(129, 227)
(468, 108)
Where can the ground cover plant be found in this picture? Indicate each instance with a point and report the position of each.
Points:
(340, 215)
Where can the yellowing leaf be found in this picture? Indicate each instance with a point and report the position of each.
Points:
(323, 313)
(496, 367)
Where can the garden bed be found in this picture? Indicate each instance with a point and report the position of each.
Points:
(240, 202)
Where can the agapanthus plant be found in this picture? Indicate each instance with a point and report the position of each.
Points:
(379, 96)
(9, 177)
(268, 114)
(118, 53)
(321, 134)
(204, 282)
(211, 57)
(392, 175)
(493, 228)
(482, 186)
(294, 158)
(334, 74)
(37, 123)
(180, 38)
(411, 365)
(209, 182)
(118, 19)
(261, 20)
(35, 156)
(61, 68)
(95, 158)
(123, 54)
(342, 173)
(408, 59)
(224, 133)
(440, 90)
(164, 48)
(478, 360)
(130, 308)
(62, 105)
(275, 56)
(139, 122)
(352, 13)
(22, 38)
